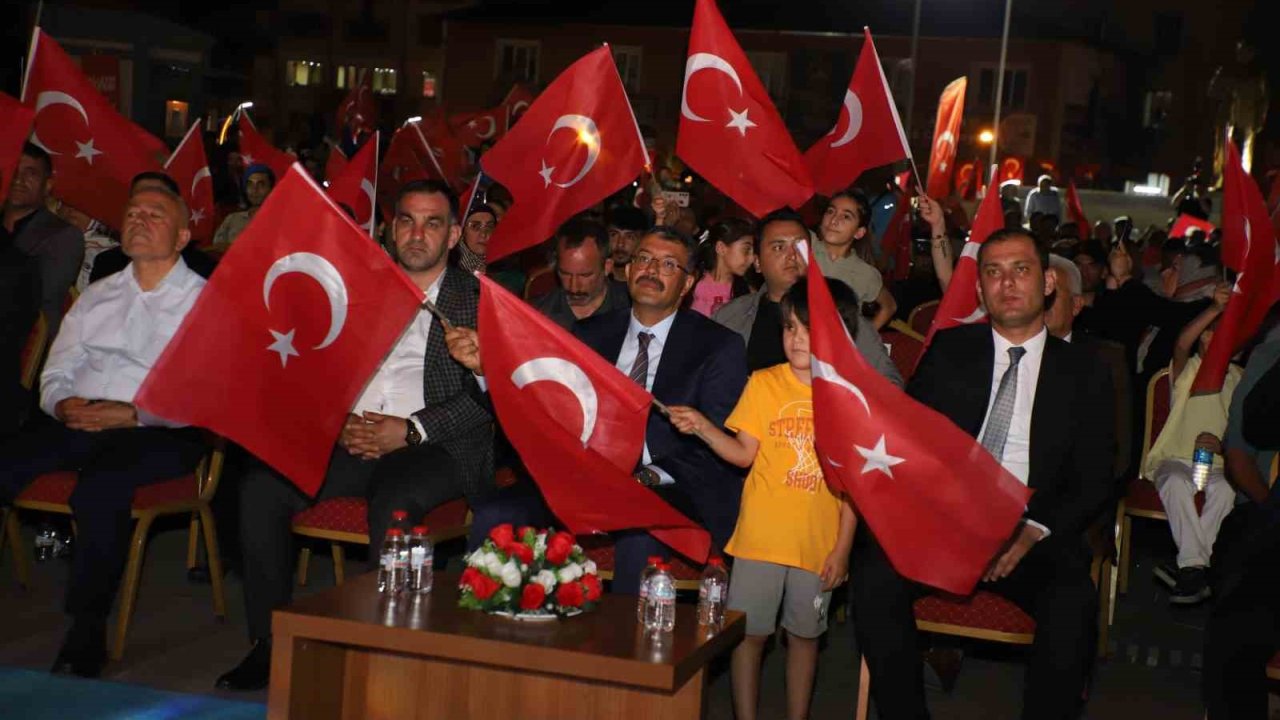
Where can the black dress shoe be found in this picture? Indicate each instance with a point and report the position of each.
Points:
(84, 651)
(252, 673)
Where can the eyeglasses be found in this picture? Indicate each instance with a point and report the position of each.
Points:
(477, 226)
(666, 266)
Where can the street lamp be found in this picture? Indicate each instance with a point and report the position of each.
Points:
(986, 137)
(226, 125)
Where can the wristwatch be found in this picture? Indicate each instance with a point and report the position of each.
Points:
(411, 435)
(647, 477)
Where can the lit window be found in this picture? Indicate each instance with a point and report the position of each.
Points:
(303, 73)
(428, 84)
(384, 81)
(347, 76)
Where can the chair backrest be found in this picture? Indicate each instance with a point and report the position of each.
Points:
(1159, 398)
(905, 347)
(540, 282)
(33, 352)
(922, 317)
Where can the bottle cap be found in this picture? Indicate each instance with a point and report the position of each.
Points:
(400, 515)
(419, 529)
(716, 562)
(664, 566)
(395, 532)
(655, 559)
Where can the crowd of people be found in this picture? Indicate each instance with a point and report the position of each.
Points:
(708, 311)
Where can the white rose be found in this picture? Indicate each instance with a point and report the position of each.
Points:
(476, 559)
(492, 563)
(590, 567)
(511, 575)
(565, 574)
(546, 579)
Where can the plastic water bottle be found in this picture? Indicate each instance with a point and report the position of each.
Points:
(1201, 462)
(393, 563)
(46, 540)
(712, 592)
(62, 542)
(421, 562)
(645, 575)
(660, 610)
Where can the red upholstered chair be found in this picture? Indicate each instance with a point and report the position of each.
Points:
(1141, 498)
(599, 549)
(905, 347)
(922, 317)
(346, 520)
(187, 495)
(541, 281)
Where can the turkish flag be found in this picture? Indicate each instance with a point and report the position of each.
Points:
(967, 180)
(256, 150)
(334, 164)
(1075, 211)
(946, 133)
(517, 101)
(1012, 168)
(577, 144)
(960, 304)
(189, 167)
(15, 126)
(937, 502)
(477, 128)
(356, 186)
(447, 155)
(577, 422)
(1185, 224)
(730, 133)
(1248, 247)
(285, 335)
(868, 134)
(896, 240)
(95, 150)
(358, 113)
(402, 164)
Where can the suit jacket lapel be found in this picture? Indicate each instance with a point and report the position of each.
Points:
(671, 366)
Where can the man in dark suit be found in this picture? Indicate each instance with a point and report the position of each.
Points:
(420, 435)
(683, 359)
(57, 246)
(1043, 407)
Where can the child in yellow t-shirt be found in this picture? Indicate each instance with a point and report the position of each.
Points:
(791, 544)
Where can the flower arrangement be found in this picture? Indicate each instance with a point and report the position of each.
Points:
(529, 572)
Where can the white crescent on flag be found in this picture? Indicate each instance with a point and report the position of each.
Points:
(330, 280)
(571, 377)
(588, 134)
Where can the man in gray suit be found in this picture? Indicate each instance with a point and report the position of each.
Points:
(420, 435)
(757, 317)
(57, 245)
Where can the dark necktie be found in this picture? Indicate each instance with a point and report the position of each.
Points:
(640, 367)
(1002, 409)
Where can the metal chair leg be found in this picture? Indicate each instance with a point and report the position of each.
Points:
(339, 563)
(304, 564)
(215, 561)
(132, 577)
(193, 537)
(1126, 527)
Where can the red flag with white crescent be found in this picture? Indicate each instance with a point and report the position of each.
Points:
(1075, 211)
(15, 125)
(868, 132)
(937, 502)
(302, 310)
(357, 185)
(577, 422)
(256, 150)
(946, 133)
(189, 167)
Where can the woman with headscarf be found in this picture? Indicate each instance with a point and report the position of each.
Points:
(477, 228)
(255, 187)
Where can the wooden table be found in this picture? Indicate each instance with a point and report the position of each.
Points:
(349, 653)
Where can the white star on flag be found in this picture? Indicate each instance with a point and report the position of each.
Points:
(878, 458)
(545, 172)
(284, 346)
(87, 150)
(740, 121)
(248, 159)
(197, 216)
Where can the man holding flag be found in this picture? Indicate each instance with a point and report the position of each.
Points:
(1042, 408)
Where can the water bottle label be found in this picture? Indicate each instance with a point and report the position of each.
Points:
(713, 594)
(388, 560)
(417, 556)
(1203, 455)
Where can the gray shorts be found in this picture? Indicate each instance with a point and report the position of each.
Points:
(759, 589)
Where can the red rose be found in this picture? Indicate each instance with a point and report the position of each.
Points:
(525, 530)
(468, 578)
(559, 547)
(502, 535)
(520, 551)
(592, 585)
(532, 596)
(484, 586)
(570, 595)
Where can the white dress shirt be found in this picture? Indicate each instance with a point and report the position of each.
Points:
(396, 388)
(1017, 446)
(113, 335)
(627, 358)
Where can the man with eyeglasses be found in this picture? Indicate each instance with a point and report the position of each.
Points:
(419, 436)
(683, 359)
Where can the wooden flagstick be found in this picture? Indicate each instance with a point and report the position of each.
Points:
(431, 308)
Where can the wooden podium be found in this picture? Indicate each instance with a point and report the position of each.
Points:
(349, 653)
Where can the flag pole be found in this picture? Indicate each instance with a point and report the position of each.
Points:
(431, 308)
(1004, 52)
